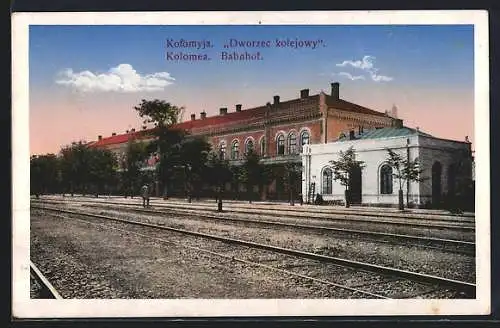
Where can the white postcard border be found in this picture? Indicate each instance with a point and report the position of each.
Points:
(24, 307)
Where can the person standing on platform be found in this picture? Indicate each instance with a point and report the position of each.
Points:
(145, 195)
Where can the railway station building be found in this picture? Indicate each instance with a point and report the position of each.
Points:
(446, 168)
(277, 130)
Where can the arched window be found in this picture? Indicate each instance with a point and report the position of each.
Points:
(327, 181)
(262, 146)
(304, 139)
(235, 149)
(249, 146)
(280, 145)
(222, 150)
(386, 179)
(292, 143)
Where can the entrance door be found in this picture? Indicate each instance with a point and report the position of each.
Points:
(355, 186)
(436, 184)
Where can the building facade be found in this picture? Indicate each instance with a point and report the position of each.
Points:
(446, 168)
(276, 131)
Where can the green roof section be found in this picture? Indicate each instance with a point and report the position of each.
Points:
(385, 133)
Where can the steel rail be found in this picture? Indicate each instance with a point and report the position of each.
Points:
(47, 291)
(270, 212)
(468, 288)
(232, 258)
(359, 211)
(467, 244)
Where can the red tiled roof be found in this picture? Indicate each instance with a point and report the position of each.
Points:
(121, 138)
(232, 118)
(351, 107)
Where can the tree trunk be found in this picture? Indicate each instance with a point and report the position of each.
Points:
(219, 201)
(347, 198)
(400, 198)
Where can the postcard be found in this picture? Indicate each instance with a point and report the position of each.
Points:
(201, 164)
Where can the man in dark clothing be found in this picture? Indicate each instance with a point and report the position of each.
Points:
(145, 195)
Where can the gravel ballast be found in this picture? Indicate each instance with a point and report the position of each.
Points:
(268, 284)
(338, 221)
(85, 261)
(412, 258)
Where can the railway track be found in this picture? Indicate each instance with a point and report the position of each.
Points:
(464, 288)
(455, 246)
(43, 288)
(387, 212)
(426, 223)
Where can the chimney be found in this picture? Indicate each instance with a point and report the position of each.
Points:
(351, 135)
(113, 134)
(397, 123)
(394, 111)
(203, 115)
(335, 90)
(193, 117)
(223, 111)
(276, 100)
(99, 138)
(304, 93)
(238, 107)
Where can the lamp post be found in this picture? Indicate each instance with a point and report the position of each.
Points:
(188, 166)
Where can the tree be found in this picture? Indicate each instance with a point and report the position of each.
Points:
(167, 142)
(44, 174)
(102, 169)
(84, 168)
(343, 169)
(219, 174)
(251, 172)
(293, 173)
(404, 171)
(193, 158)
(159, 112)
(460, 184)
(75, 168)
(135, 155)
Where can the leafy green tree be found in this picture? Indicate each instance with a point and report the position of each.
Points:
(75, 168)
(102, 169)
(343, 169)
(44, 174)
(219, 174)
(460, 195)
(135, 155)
(293, 174)
(251, 172)
(85, 168)
(167, 142)
(193, 158)
(236, 179)
(403, 170)
(159, 112)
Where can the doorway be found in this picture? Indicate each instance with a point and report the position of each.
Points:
(436, 184)
(355, 185)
